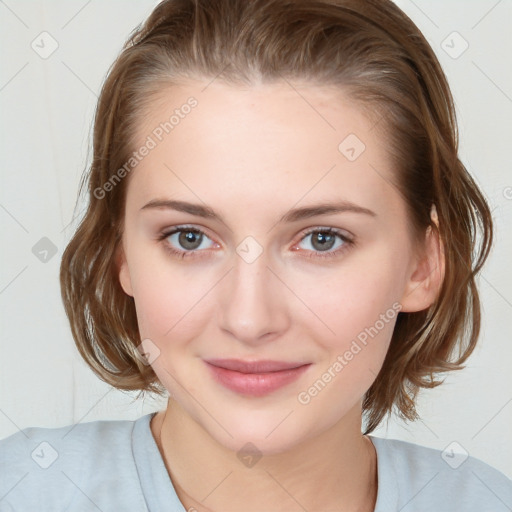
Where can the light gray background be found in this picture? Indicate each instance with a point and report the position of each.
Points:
(47, 107)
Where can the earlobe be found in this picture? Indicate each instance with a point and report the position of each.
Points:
(123, 271)
(427, 276)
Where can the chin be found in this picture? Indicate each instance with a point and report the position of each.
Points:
(270, 433)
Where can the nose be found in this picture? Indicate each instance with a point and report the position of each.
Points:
(253, 302)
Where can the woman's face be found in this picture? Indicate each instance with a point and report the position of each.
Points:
(251, 281)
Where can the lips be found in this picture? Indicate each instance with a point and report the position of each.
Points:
(255, 378)
(264, 366)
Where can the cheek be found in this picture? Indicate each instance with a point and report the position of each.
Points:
(170, 313)
(345, 302)
(354, 358)
(168, 299)
(358, 308)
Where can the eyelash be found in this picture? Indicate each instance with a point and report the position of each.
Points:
(312, 254)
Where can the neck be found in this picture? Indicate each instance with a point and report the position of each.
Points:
(336, 470)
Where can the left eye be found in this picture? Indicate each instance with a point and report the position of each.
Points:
(324, 240)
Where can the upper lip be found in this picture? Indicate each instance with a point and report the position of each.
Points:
(263, 366)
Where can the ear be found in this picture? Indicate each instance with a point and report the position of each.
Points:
(427, 274)
(123, 270)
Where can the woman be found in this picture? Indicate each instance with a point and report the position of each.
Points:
(280, 235)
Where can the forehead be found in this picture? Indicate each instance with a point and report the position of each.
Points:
(272, 142)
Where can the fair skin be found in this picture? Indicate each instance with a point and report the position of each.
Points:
(252, 154)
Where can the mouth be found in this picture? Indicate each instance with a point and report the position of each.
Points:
(255, 378)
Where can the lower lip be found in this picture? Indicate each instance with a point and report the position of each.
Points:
(256, 384)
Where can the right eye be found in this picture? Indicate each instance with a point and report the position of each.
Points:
(184, 241)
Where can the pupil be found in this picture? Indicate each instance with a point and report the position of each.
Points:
(325, 240)
(189, 239)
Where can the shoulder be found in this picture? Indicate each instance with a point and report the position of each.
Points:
(417, 478)
(50, 468)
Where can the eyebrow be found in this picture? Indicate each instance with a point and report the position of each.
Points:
(293, 215)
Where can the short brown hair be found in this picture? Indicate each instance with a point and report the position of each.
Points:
(380, 59)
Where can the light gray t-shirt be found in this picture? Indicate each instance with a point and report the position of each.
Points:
(115, 466)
